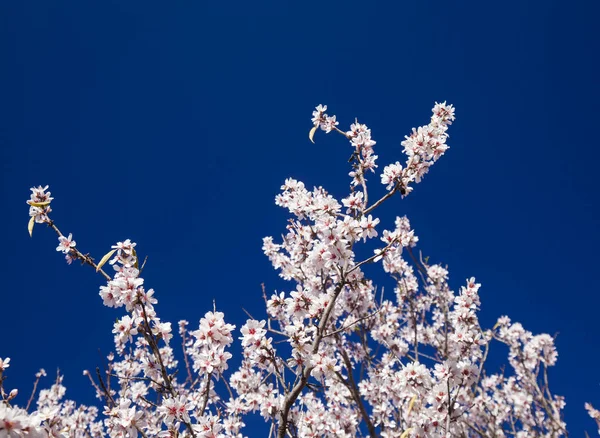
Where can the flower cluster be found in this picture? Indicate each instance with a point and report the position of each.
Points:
(594, 413)
(39, 204)
(53, 416)
(212, 338)
(423, 147)
(334, 355)
(363, 157)
(322, 120)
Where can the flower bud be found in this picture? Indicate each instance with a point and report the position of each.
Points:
(12, 394)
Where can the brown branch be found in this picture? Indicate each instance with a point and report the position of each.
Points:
(351, 385)
(190, 377)
(373, 257)
(382, 199)
(301, 382)
(206, 393)
(38, 376)
(104, 388)
(335, 332)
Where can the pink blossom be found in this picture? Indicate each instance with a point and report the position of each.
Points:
(334, 355)
(66, 244)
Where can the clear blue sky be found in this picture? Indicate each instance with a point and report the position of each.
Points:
(175, 123)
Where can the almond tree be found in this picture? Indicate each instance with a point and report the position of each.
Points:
(333, 355)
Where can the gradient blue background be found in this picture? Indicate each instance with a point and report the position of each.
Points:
(174, 124)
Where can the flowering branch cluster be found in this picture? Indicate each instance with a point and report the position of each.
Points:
(334, 355)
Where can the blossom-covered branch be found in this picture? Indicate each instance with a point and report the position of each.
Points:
(331, 357)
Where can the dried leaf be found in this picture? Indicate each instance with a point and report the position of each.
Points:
(406, 432)
(311, 134)
(105, 259)
(411, 404)
(30, 226)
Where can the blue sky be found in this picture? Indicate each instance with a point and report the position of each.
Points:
(174, 124)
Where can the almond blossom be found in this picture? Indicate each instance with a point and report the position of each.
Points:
(334, 354)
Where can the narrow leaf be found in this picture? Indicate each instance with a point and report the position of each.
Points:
(105, 259)
(406, 432)
(311, 134)
(39, 204)
(30, 226)
(411, 404)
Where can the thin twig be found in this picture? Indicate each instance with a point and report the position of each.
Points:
(335, 332)
(38, 376)
(85, 258)
(382, 199)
